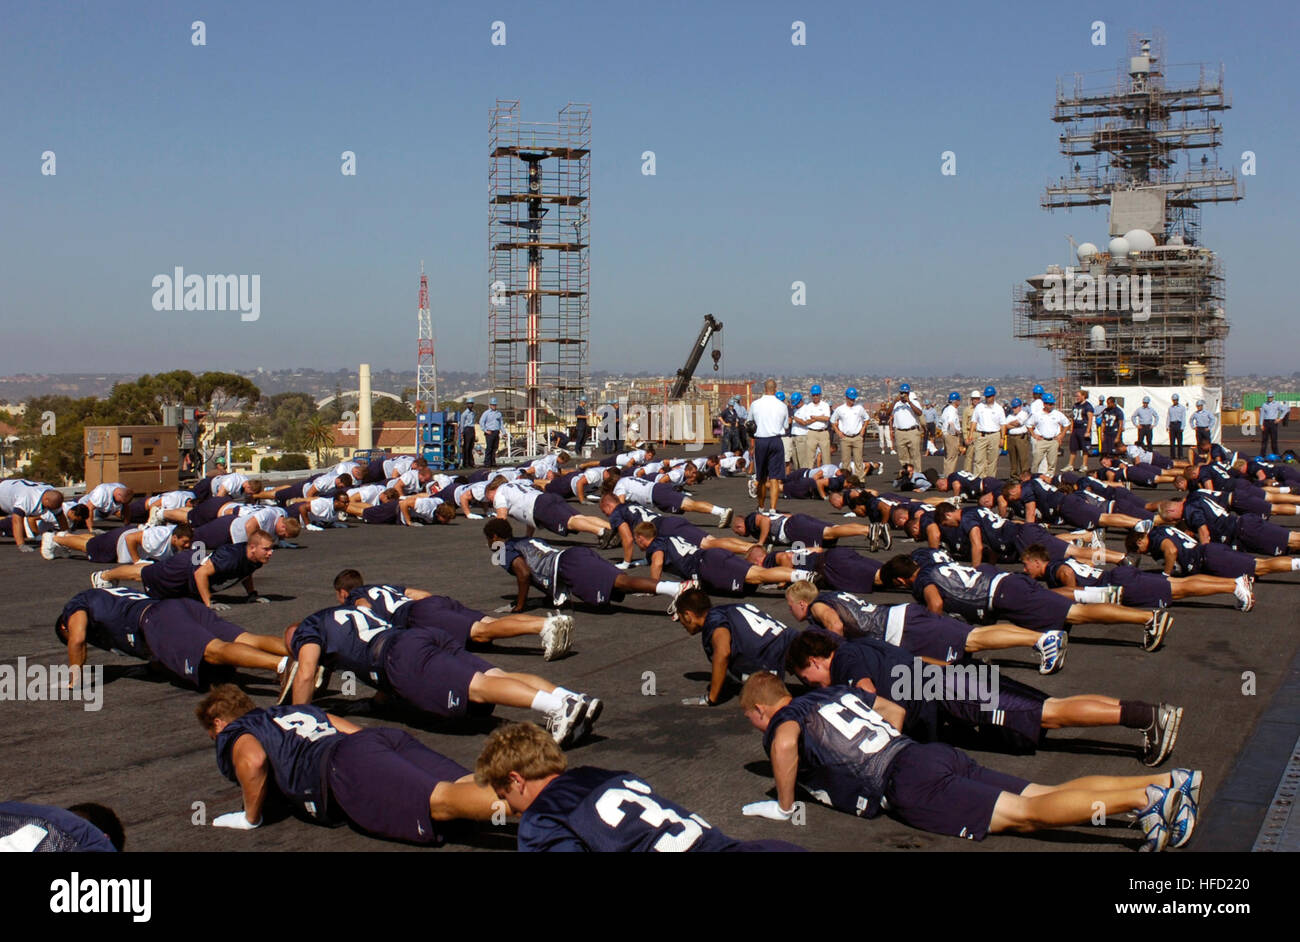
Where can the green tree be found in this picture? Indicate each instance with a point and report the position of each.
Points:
(318, 434)
(386, 410)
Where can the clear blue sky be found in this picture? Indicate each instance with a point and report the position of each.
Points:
(775, 163)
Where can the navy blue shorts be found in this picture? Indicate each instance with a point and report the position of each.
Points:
(681, 527)
(1142, 589)
(390, 512)
(1030, 533)
(552, 512)
(723, 571)
(431, 671)
(1078, 511)
(177, 632)
(1257, 535)
(1250, 500)
(801, 528)
(202, 490)
(214, 533)
(103, 548)
(799, 487)
(480, 474)
(137, 510)
(1022, 601)
(444, 613)
(292, 492)
(666, 498)
(846, 570)
(586, 575)
(1080, 440)
(562, 485)
(1126, 502)
(1143, 477)
(1018, 719)
(769, 458)
(934, 636)
(940, 789)
(381, 779)
(1219, 560)
(206, 511)
(1163, 462)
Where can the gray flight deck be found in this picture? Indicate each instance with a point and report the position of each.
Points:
(145, 755)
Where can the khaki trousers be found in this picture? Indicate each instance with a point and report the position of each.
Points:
(851, 453)
(907, 442)
(800, 451)
(817, 440)
(1043, 456)
(951, 452)
(986, 455)
(1018, 453)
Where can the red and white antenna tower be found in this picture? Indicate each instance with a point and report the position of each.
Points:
(426, 363)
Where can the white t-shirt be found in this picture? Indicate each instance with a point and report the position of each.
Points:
(425, 507)
(266, 518)
(1022, 417)
(233, 483)
(821, 411)
(950, 420)
(988, 418)
(636, 490)
(173, 500)
(769, 414)
(849, 419)
(155, 543)
(398, 464)
(367, 493)
(101, 498)
(517, 499)
(903, 417)
(22, 497)
(1045, 423)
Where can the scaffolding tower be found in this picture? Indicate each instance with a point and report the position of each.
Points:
(1129, 146)
(539, 188)
(426, 360)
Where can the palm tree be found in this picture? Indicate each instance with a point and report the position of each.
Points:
(318, 434)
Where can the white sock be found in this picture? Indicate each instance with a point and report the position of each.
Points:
(801, 575)
(562, 692)
(1295, 563)
(1090, 595)
(546, 702)
(667, 588)
(720, 511)
(284, 662)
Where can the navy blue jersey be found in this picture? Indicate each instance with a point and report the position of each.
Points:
(632, 514)
(1209, 509)
(1084, 575)
(543, 560)
(1045, 498)
(1186, 545)
(595, 810)
(680, 557)
(174, 577)
(758, 641)
(845, 747)
(998, 535)
(1089, 484)
(967, 590)
(1217, 473)
(883, 664)
(114, 618)
(930, 557)
(297, 741)
(1081, 414)
(1111, 417)
(349, 638)
(389, 602)
(858, 619)
(26, 828)
(966, 478)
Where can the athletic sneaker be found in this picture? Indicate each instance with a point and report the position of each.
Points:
(606, 538)
(873, 538)
(1183, 823)
(1157, 626)
(1130, 559)
(1187, 781)
(682, 586)
(557, 635)
(724, 518)
(886, 538)
(753, 487)
(50, 549)
(1156, 831)
(285, 674)
(1158, 739)
(594, 707)
(1051, 645)
(1098, 541)
(565, 722)
(156, 517)
(1113, 594)
(99, 582)
(1244, 590)
(1143, 526)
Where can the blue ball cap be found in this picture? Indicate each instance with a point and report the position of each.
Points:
(797, 398)
(492, 401)
(1016, 403)
(989, 392)
(954, 397)
(1049, 399)
(1038, 390)
(1146, 398)
(1269, 394)
(815, 390)
(906, 387)
(851, 393)
(781, 395)
(1174, 397)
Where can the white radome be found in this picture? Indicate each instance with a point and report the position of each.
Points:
(1139, 240)
(1119, 247)
(1085, 251)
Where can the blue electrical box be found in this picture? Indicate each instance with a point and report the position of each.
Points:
(437, 440)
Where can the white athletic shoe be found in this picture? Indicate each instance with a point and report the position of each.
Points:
(1244, 590)
(594, 708)
(156, 517)
(565, 722)
(557, 635)
(50, 549)
(1098, 541)
(725, 515)
(683, 586)
(99, 582)
(753, 487)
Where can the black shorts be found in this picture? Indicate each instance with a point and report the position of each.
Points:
(1219, 560)
(769, 458)
(1079, 440)
(940, 789)
(1142, 589)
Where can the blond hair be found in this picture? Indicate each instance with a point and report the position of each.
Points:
(801, 592)
(764, 688)
(524, 748)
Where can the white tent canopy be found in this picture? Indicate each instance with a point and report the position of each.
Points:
(1129, 398)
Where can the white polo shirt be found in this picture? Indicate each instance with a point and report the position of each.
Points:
(1022, 417)
(903, 417)
(950, 420)
(988, 417)
(849, 419)
(821, 411)
(1045, 423)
